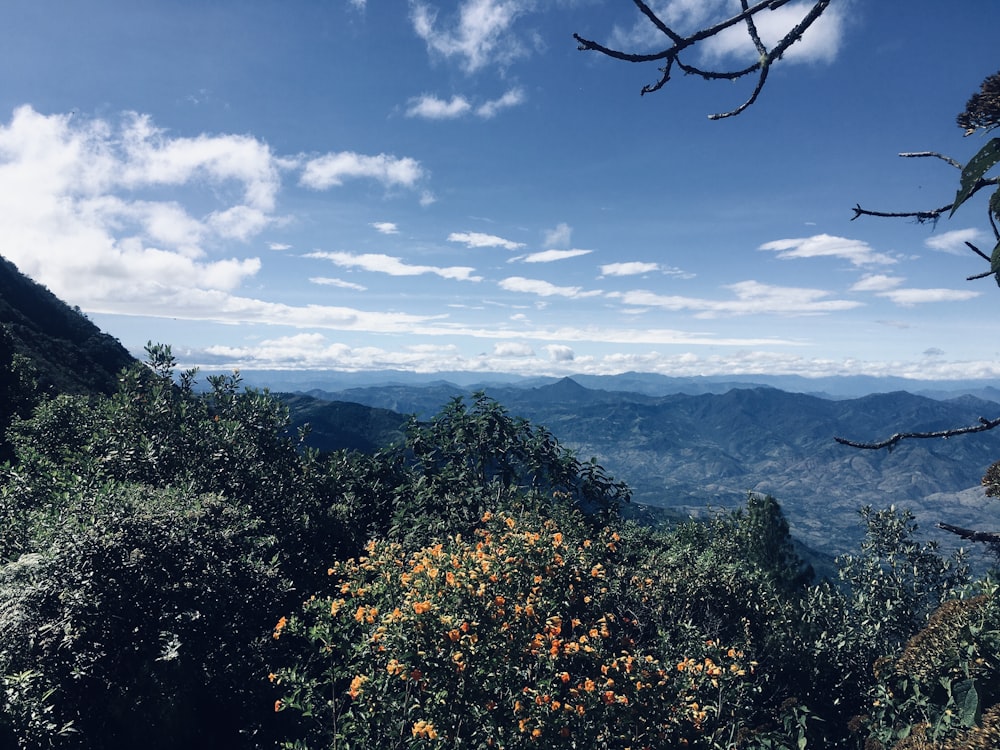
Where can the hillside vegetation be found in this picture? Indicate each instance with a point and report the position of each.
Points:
(178, 569)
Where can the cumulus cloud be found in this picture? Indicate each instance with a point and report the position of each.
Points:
(120, 216)
(548, 256)
(750, 298)
(859, 253)
(332, 169)
(478, 239)
(72, 219)
(953, 242)
(380, 263)
(480, 35)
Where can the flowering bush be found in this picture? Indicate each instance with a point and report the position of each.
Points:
(510, 638)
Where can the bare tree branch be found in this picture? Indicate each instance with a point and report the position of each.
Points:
(983, 426)
(679, 43)
(933, 214)
(990, 538)
(934, 154)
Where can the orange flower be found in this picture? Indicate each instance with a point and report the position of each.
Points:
(356, 683)
(454, 634)
(424, 729)
(277, 706)
(564, 676)
(422, 607)
(279, 627)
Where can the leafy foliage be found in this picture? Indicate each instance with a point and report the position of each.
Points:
(178, 569)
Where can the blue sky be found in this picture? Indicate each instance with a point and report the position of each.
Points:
(441, 185)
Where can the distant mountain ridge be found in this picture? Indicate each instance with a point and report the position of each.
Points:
(69, 352)
(689, 452)
(650, 384)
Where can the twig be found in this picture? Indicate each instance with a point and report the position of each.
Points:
(934, 154)
(671, 55)
(983, 426)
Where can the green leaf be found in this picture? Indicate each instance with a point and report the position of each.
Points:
(995, 262)
(967, 702)
(980, 164)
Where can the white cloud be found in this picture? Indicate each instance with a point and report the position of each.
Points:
(431, 108)
(239, 222)
(340, 283)
(953, 242)
(478, 239)
(543, 288)
(512, 349)
(492, 108)
(332, 169)
(548, 256)
(877, 282)
(72, 219)
(279, 246)
(152, 158)
(385, 227)
(820, 43)
(560, 353)
(751, 298)
(560, 236)
(479, 36)
(827, 246)
(630, 268)
(380, 263)
(911, 297)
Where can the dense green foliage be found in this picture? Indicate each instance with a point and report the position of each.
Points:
(177, 569)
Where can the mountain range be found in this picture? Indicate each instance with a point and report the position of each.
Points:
(690, 452)
(685, 445)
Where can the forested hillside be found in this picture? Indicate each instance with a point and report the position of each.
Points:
(69, 354)
(178, 569)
